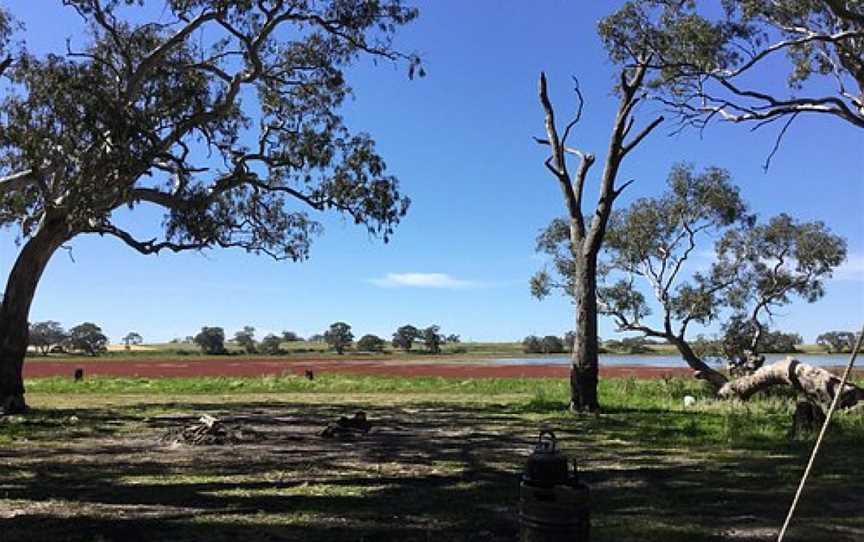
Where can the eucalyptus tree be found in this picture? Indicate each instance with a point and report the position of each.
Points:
(246, 339)
(132, 339)
(271, 344)
(44, 335)
(650, 246)
(223, 115)
(585, 237)
(837, 341)
(339, 337)
(552, 344)
(706, 57)
(405, 336)
(211, 340)
(291, 337)
(87, 338)
(371, 343)
(532, 345)
(433, 339)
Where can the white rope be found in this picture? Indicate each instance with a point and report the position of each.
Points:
(821, 435)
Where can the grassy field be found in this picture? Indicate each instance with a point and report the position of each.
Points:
(440, 464)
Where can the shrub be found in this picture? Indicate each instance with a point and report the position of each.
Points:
(339, 336)
(370, 343)
(88, 338)
(246, 339)
(405, 336)
(211, 340)
(271, 344)
(432, 340)
(532, 345)
(552, 345)
(291, 337)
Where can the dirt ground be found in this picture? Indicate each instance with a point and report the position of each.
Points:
(442, 471)
(236, 366)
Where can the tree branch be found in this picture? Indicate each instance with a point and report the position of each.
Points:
(627, 147)
(17, 182)
(557, 163)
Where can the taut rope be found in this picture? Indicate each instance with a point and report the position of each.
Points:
(821, 435)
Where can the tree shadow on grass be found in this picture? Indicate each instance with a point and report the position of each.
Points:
(427, 471)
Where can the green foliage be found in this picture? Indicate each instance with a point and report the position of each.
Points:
(837, 341)
(87, 338)
(432, 339)
(739, 333)
(271, 345)
(291, 337)
(758, 266)
(785, 258)
(709, 61)
(371, 343)
(44, 335)
(132, 339)
(634, 345)
(532, 344)
(570, 339)
(339, 337)
(551, 344)
(405, 336)
(111, 124)
(246, 339)
(211, 340)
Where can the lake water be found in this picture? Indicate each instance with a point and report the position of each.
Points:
(821, 360)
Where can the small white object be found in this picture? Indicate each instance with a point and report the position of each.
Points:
(207, 420)
(689, 401)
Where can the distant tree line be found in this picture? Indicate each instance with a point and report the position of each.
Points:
(339, 337)
(734, 338)
(550, 344)
(86, 338)
(840, 342)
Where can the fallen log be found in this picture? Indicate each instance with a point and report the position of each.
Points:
(814, 383)
(210, 431)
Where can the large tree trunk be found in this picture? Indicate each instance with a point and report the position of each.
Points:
(701, 369)
(585, 356)
(15, 309)
(817, 384)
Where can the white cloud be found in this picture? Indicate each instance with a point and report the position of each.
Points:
(851, 269)
(423, 280)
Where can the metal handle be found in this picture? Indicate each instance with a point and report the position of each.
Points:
(551, 438)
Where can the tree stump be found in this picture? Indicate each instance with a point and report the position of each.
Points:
(807, 419)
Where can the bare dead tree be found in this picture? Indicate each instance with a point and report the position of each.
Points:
(586, 239)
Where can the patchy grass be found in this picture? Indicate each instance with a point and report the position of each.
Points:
(440, 464)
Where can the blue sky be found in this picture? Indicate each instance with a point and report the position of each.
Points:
(460, 142)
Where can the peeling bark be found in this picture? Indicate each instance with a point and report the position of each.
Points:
(816, 384)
